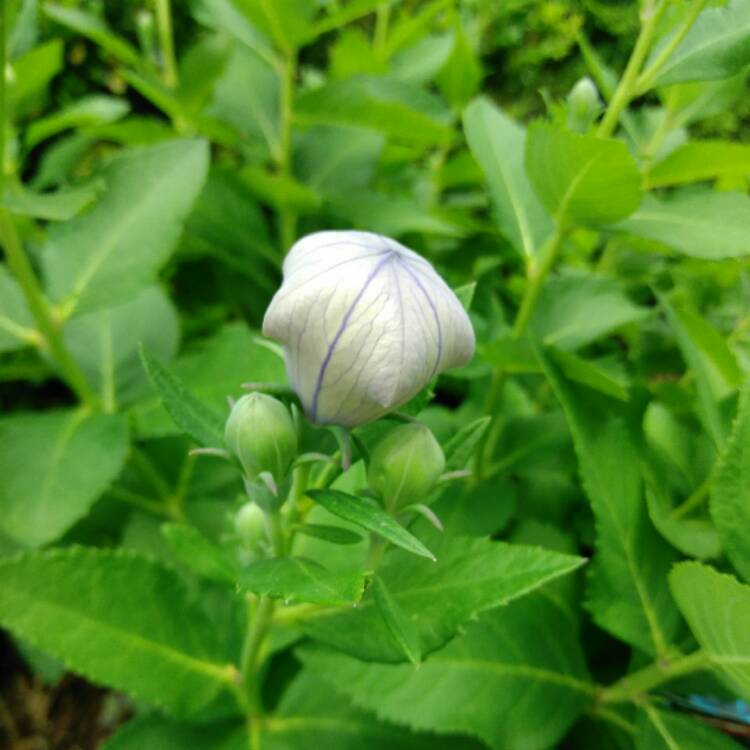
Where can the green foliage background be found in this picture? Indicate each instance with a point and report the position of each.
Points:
(158, 163)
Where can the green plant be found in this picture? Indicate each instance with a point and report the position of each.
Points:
(579, 543)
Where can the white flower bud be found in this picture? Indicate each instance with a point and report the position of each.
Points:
(366, 323)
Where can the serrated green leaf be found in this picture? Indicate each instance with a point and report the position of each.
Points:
(730, 491)
(54, 465)
(120, 619)
(187, 411)
(498, 144)
(717, 609)
(402, 628)
(114, 250)
(717, 46)
(370, 517)
(697, 161)
(199, 553)
(161, 733)
(298, 580)
(474, 575)
(460, 448)
(627, 592)
(696, 223)
(473, 685)
(667, 730)
(333, 534)
(105, 344)
(572, 172)
(592, 374)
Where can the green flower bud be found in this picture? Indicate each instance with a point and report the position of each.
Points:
(583, 105)
(249, 523)
(405, 466)
(260, 432)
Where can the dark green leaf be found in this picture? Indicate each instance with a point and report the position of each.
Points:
(333, 534)
(200, 554)
(402, 628)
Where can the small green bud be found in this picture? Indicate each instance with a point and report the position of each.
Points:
(261, 433)
(405, 466)
(249, 523)
(583, 105)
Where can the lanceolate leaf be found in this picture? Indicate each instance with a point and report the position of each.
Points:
(191, 414)
(717, 46)
(370, 517)
(297, 580)
(115, 249)
(402, 628)
(498, 143)
(627, 589)
(571, 173)
(54, 465)
(511, 680)
(474, 575)
(120, 619)
(717, 608)
(730, 492)
(700, 160)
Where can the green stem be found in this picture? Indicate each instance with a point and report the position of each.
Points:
(380, 36)
(646, 79)
(163, 11)
(626, 89)
(538, 270)
(375, 553)
(633, 685)
(695, 500)
(250, 661)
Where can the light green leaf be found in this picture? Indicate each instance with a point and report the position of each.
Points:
(572, 172)
(343, 14)
(498, 144)
(105, 344)
(386, 105)
(730, 491)
(461, 76)
(200, 554)
(59, 205)
(157, 732)
(212, 370)
(33, 72)
(700, 160)
(189, 413)
(115, 249)
(95, 29)
(16, 322)
(667, 730)
(712, 362)
(717, 608)
(371, 517)
(287, 22)
(597, 375)
(298, 580)
(402, 628)
(120, 619)
(697, 223)
(576, 308)
(91, 110)
(460, 448)
(512, 354)
(627, 592)
(474, 575)
(54, 465)
(472, 686)
(717, 46)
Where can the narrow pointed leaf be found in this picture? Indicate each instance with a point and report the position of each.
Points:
(370, 517)
(402, 628)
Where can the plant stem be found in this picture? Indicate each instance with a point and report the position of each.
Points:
(166, 42)
(380, 36)
(260, 623)
(646, 79)
(695, 500)
(538, 270)
(632, 685)
(626, 88)
(287, 216)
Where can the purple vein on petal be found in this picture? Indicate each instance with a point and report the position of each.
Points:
(416, 280)
(340, 332)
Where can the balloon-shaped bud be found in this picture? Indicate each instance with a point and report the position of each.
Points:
(366, 323)
(405, 466)
(261, 433)
(583, 105)
(249, 523)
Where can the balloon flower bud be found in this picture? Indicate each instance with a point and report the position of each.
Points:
(261, 433)
(249, 523)
(405, 466)
(366, 323)
(583, 105)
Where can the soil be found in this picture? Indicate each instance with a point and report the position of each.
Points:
(71, 714)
